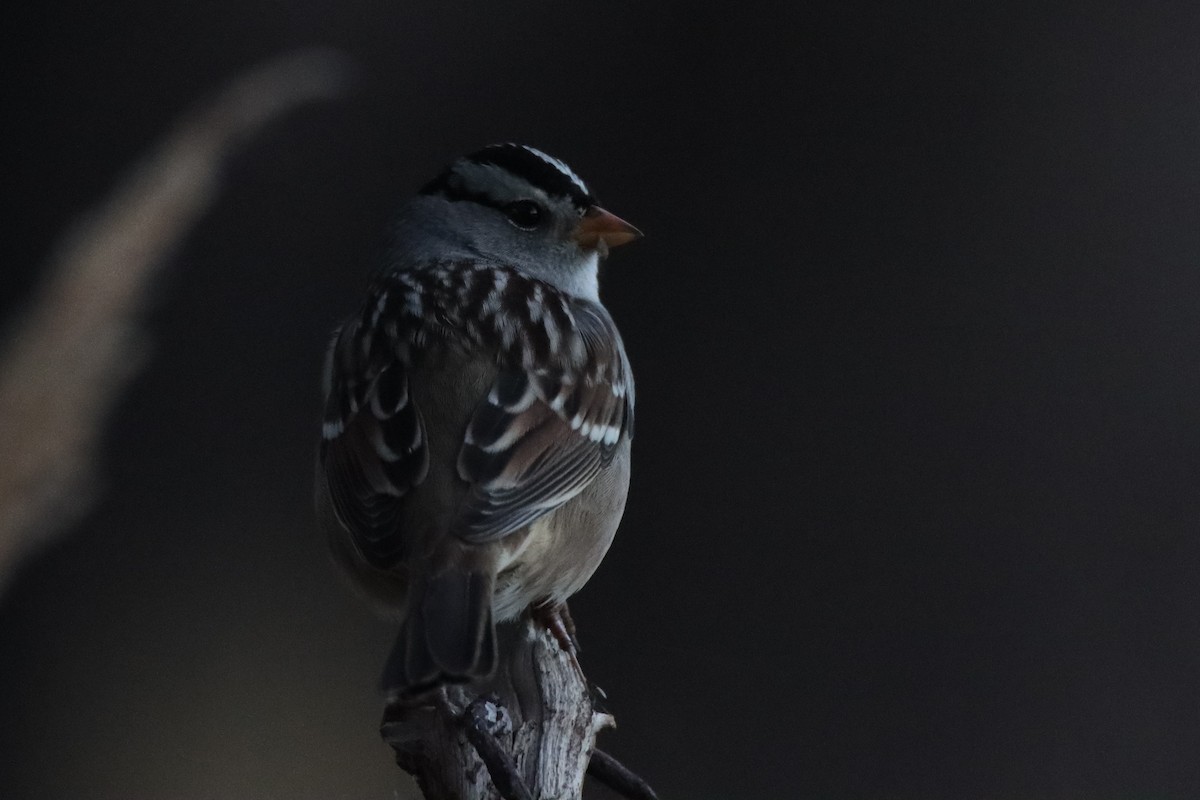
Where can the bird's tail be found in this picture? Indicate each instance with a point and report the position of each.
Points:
(448, 637)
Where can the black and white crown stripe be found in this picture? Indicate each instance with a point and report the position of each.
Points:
(557, 164)
(526, 163)
(560, 405)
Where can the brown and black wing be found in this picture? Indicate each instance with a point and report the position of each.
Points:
(373, 447)
(561, 403)
(549, 425)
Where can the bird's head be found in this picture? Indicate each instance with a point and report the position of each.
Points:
(515, 205)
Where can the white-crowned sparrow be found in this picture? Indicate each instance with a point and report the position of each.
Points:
(474, 456)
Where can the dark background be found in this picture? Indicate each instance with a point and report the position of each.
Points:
(915, 508)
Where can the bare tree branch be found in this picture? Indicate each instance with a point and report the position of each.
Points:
(483, 720)
(67, 359)
(530, 731)
(618, 777)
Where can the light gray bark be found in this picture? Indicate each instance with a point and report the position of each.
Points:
(537, 708)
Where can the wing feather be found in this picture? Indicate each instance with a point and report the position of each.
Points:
(373, 450)
(547, 428)
(553, 419)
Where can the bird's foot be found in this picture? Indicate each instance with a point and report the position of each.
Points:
(556, 618)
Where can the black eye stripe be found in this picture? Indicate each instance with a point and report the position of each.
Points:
(525, 214)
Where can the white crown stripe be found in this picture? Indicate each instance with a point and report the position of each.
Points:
(558, 165)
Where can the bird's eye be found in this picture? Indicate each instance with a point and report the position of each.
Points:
(524, 214)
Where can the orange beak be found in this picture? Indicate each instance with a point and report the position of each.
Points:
(600, 230)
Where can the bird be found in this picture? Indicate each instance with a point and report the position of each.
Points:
(475, 443)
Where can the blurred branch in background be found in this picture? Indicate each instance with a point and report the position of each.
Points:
(66, 360)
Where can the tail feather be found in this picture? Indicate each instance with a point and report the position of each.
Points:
(448, 637)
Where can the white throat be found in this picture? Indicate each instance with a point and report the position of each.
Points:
(584, 283)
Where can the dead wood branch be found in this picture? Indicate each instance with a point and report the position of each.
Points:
(530, 732)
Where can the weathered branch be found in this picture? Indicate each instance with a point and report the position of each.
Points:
(65, 362)
(530, 732)
(484, 721)
(618, 777)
